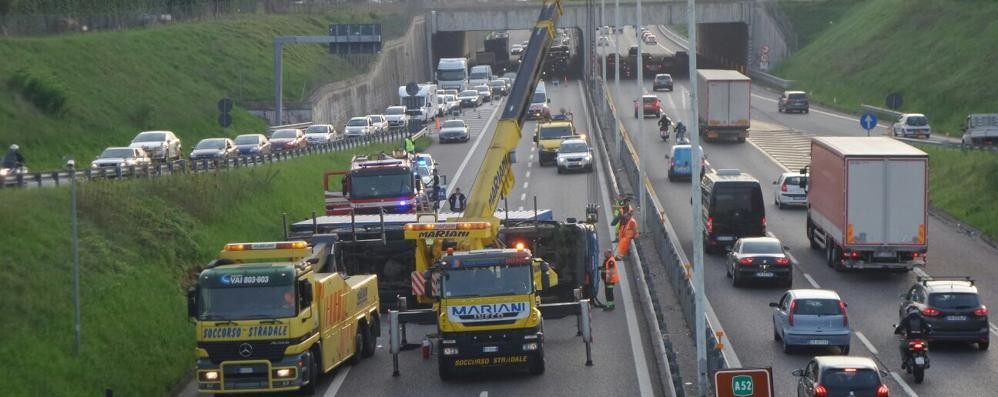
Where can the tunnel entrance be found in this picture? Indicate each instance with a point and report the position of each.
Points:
(722, 45)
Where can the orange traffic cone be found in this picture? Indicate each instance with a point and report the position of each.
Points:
(438, 122)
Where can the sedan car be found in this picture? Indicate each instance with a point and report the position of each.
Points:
(574, 154)
(252, 144)
(214, 149)
(912, 125)
(663, 81)
(952, 307)
(498, 87)
(470, 98)
(320, 134)
(454, 131)
(358, 127)
(650, 106)
(759, 258)
(793, 101)
(811, 318)
(485, 92)
(160, 145)
(114, 157)
(397, 118)
(789, 191)
(378, 123)
(288, 139)
(826, 376)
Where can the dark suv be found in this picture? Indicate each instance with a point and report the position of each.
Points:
(793, 101)
(732, 208)
(663, 81)
(951, 306)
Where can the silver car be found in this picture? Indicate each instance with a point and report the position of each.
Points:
(789, 191)
(484, 92)
(811, 318)
(114, 157)
(454, 131)
(574, 154)
(358, 127)
(319, 134)
(160, 145)
(396, 116)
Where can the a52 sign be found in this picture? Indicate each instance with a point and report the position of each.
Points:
(744, 382)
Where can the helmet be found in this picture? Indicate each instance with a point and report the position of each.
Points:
(14, 147)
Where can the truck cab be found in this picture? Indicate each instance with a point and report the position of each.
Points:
(549, 136)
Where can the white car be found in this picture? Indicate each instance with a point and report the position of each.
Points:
(451, 104)
(485, 92)
(603, 41)
(114, 157)
(160, 145)
(319, 134)
(358, 127)
(788, 190)
(454, 131)
(396, 116)
(912, 124)
(378, 123)
(574, 154)
(516, 49)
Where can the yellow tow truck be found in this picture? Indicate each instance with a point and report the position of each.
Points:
(550, 134)
(267, 320)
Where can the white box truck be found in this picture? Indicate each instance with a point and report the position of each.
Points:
(724, 101)
(980, 129)
(868, 202)
(452, 74)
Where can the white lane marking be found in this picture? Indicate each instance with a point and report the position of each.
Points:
(532, 148)
(771, 158)
(866, 342)
(525, 184)
(523, 197)
(904, 385)
(637, 351)
(483, 394)
(338, 380)
(811, 280)
(531, 157)
(460, 169)
(527, 175)
(530, 164)
(994, 328)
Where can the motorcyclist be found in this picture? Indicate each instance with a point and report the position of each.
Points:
(680, 131)
(912, 326)
(664, 122)
(13, 159)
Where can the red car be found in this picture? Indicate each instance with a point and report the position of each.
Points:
(651, 104)
(287, 139)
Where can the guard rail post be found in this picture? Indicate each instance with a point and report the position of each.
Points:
(55, 177)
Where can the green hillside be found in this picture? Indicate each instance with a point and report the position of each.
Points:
(76, 94)
(938, 54)
(140, 245)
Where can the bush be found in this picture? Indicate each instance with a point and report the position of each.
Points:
(45, 93)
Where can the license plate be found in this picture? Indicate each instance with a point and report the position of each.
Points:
(884, 254)
(919, 360)
(817, 342)
(490, 349)
(956, 318)
(246, 370)
(725, 238)
(764, 274)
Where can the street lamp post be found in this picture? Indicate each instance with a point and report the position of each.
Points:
(698, 285)
(75, 247)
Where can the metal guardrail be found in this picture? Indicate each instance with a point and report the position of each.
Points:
(58, 178)
(893, 115)
(660, 231)
(766, 78)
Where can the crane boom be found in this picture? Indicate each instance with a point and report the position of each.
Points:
(494, 180)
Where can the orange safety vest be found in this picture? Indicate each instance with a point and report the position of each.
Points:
(629, 230)
(610, 275)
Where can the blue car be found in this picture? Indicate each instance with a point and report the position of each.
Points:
(814, 318)
(679, 163)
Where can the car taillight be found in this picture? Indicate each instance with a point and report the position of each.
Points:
(981, 311)
(883, 391)
(930, 312)
(783, 261)
(845, 315)
(745, 261)
(916, 345)
(673, 163)
(764, 221)
(820, 391)
(790, 314)
(783, 188)
(848, 255)
(710, 225)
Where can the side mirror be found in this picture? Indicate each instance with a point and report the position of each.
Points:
(797, 372)
(428, 283)
(192, 302)
(894, 325)
(305, 289)
(774, 304)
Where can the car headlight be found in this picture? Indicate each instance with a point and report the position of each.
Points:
(561, 159)
(285, 373)
(208, 376)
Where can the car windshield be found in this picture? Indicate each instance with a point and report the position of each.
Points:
(395, 110)
(953, 301)
(479, 75)
(150, 137)
(574, 147)
(239, 303)
(663, 78)
(539, 97)
(797, 97)
(211, 144)
(423, 171)
(284, 134)
(817, 307)
(317, 129)
(382, 185)
(450, 98)
(794, 180)
(469, 93)
(555, 132)
(761, 247)
(451, 75)
(918, 121)
(482, 88)
(734, 200)
(453, 124)
(247, 140)
(855, 379)
(497, 84)
(117, 153)
(650, 101)
(357, 122)
(487, 281)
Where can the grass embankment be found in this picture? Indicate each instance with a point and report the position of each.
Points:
(810, 18)
(115, 84)
(937, 54)
(963, 184)
(140, 242)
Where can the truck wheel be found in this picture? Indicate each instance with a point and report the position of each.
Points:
(837, 259)
(537, 365)
(313, 375)
(741, 139)
(445, 369)
(370, 341)
(810, 236)
(358, 346)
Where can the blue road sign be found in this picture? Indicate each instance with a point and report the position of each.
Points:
(868, 121)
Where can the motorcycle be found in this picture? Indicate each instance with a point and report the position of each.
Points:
(20, 169)
(663, 132)
(916, 359)
(681, 138)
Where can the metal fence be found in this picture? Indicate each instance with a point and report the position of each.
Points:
(656, 227)
(60, 177)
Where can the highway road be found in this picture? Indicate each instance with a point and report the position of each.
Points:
(779, 141)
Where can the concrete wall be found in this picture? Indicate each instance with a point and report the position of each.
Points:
(766, 30)
(402, 60)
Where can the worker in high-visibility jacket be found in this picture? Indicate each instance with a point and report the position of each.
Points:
(610, 277)
(627, 233)
(621, 210)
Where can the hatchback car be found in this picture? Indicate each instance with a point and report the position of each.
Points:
(160, 145)
(114, 157)
(793, 101)
(811, 318)
(454, 131)
(397, 118)
(650, 39)
(319, 134)
(680, 158)
(837, 376)
(484, 92)
(252, 144)
(358, 127)
(663, 81)
(761, 259)
(498, 87)
(470, 98)
(789, 191)
(214, 149)
(952, 307)
(912, 125)
(379, 123)
(574, 154)
(650, 106)
(287, 139)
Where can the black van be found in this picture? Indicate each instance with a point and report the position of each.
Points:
(732, 208)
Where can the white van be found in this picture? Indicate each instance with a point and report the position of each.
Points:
(481, 74)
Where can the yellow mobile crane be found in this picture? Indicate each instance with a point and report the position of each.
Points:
(485, 295)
